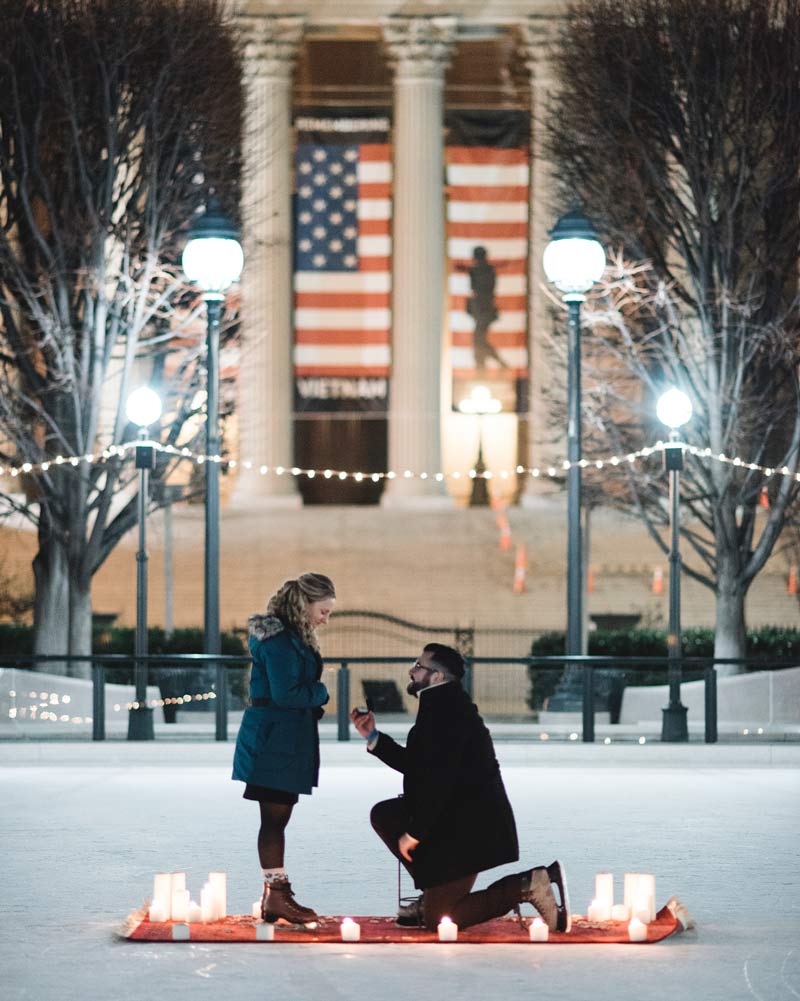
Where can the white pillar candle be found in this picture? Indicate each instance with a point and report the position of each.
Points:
(195, 914)
(264, 932)
(177, 881)
(256, 911)
(619, 912)
(447, 929)
(631, 889)
(641, 910)
(538, 930)
(637, 931)
(180, 932)
(598, 911)
(647, 890)
(207, 904)
(351, 930)
(162, 892)
(180, 905)
(218, 881)
(604, 890)
(157, 912)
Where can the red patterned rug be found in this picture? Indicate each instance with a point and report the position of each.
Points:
(375, 930)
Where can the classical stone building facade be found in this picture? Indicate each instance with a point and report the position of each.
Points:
(416, 63)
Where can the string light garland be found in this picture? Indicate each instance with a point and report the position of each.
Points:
(552, 471)
(42, 709)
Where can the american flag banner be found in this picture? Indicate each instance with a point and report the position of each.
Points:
(343, 253)
(488, 176)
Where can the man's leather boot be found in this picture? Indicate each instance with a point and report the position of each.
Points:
(278, 904)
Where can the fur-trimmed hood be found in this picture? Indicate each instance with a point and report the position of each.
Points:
(264, 626)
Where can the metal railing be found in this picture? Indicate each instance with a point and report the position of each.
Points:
(341, 691)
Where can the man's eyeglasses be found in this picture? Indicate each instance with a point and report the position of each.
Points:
(421, 667)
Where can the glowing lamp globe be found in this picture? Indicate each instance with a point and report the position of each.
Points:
(212, 257)
(674, 408)
(480, 401)
(143, 407)
(574, 258)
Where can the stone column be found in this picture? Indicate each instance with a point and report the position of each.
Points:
(420, 48)
(539, 34)
(265, 370)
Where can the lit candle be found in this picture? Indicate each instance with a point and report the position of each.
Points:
(604, 892)
(641, 910)
(351, 930)
(257, 910)
(157, 912)
(180, 932)
(180, 905)
(637, 931)
(619, 912)
(598, 911)
(207, 903)
(265, 932)
(218, 881)
(538, 930)
(162, 893)
(195, 914)
(447, 929)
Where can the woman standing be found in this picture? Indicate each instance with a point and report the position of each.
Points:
(277, 750)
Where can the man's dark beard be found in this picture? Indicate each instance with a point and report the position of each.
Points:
(415, 687)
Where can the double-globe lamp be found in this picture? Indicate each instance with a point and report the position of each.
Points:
(213, 260)
(674, 410)
(142, 408)
(573, 261)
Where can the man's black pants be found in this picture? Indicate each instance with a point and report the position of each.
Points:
(390, 820)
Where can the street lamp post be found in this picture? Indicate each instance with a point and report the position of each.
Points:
(213, 260)
(143, 408)
(480, 402)
(573, 261)
(674, 409)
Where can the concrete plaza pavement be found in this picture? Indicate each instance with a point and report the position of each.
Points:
(85, 826)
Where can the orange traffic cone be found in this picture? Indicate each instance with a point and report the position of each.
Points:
(505, 531)
(763, 498)
(791, 584)
(658, 581)
(520, 568)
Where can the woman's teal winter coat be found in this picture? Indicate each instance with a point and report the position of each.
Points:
(278, 742)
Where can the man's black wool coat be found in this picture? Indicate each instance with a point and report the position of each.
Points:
(453, 792)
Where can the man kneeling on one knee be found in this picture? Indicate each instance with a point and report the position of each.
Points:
(454, 819)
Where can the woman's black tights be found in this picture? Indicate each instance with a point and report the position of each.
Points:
(271, 841)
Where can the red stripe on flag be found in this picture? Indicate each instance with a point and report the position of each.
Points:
(344, 300)
(342, 336)
(487, 193)
(375, 152)
(486, 156)
(458, 303)
(488, 230)
(374, 189)
(373, 227)
(372, 264)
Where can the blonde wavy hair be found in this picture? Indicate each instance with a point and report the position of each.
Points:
(290, 603)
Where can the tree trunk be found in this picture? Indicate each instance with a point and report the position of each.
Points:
(80, 626)
(51, 606)
(730, 638)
